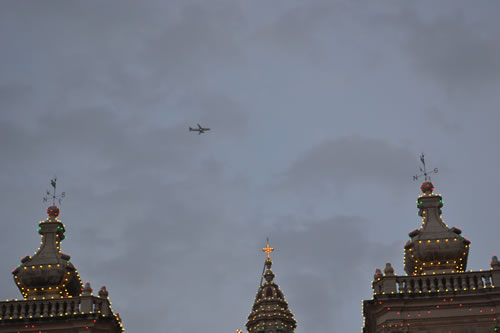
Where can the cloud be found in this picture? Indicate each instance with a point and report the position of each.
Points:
(179, 240)
(456, 52)
(456, 47)
(201, 38)
(297, 28)
(350, 160)
(325, 266)
(445, 121)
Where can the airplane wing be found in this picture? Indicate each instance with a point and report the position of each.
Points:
(199, 126)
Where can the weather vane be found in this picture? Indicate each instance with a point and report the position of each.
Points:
(425, 174)
(53, 195)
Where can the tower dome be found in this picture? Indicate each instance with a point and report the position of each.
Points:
(270, 313)
(434, 248)
(48, 273)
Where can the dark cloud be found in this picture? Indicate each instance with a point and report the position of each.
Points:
(445, 121)
(327, 265)
(296, 30)
(456, 52)
(350, 160)
(201, 39)
(456, 47)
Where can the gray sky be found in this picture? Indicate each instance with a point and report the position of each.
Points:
(319, 110)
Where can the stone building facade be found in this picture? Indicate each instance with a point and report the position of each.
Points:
(55, 300)
(436, 294)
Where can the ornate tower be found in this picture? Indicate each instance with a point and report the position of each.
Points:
(437, 294)
(270, 313)
(48, 273)
(434, 248)
(55, 299)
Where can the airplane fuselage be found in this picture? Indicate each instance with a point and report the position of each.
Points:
(199, 129)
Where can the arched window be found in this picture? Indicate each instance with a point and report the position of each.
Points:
(269, 292)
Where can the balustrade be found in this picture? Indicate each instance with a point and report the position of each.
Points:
(54, 307)
(422, 284)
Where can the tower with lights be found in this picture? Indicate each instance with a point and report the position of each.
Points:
(55, 300)
(436, 294)
(270, 313)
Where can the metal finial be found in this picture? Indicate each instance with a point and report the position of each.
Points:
(268, 250)
(423, 169)
(53, 195)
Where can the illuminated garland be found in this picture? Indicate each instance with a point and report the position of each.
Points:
(70, 285)
(270, 309)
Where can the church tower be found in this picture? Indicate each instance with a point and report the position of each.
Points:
(270, 313)
(436, 294)
(55, 300)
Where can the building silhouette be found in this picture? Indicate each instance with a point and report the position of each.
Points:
(436, 294)
(55, 299)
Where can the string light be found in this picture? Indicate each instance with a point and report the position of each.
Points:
(270, 307)
(449, 255)
(52, 233)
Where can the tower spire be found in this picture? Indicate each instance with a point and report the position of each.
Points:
(48, 273)
(434, 248)
(270, 313)
(268, 251)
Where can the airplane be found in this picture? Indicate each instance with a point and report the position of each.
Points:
(199, 129)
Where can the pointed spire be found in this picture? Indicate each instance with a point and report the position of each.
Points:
(87, 290)
(268, 275)
(270, 311)
(495, 264)
(103, 292)
(388, 270)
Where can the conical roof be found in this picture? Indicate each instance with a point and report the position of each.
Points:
(48, 273)
(270, 313)
(434, 248)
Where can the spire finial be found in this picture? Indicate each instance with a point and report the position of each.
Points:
(87, 290)
(103, 292)
(495, 264)
(54, 195)
(268, 250)
(423, 169)
(388, 270)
